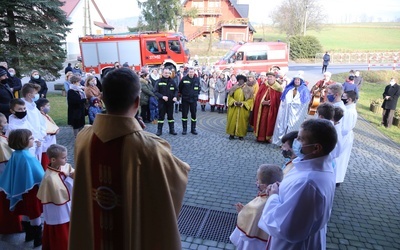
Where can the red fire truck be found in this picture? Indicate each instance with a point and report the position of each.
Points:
(256, 56)
(144, 49)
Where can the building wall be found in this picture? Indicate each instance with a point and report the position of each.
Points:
(77, 17)
(237, 34)
(228, 11)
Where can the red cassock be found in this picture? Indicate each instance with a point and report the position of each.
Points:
(265, 116)
(10, 223)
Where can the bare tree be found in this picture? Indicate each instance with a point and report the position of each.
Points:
(293, 17)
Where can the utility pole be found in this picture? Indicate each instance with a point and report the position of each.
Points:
(305, 22)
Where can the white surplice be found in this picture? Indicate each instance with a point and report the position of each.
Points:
(297, 218)
(348, 123)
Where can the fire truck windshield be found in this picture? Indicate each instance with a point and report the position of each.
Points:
(228, 55)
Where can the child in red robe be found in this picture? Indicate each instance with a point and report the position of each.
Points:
(20, 182)
(55, 195)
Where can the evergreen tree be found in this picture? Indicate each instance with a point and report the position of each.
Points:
(161, 15)
(32, 35)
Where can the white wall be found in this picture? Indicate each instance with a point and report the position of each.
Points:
(77, 17)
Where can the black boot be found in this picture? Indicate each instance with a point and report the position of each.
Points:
(193, 128)
(176, 107)
(184, 127)
(203, 107)
(159, 128)
(212, 108)
(171, 128)
(37, 236)
(180, 107)
(26, 226)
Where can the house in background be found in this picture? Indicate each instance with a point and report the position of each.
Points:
(86, 19)
(226, 18)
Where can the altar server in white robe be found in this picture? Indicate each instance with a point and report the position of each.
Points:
(298, 209)
(349, 122)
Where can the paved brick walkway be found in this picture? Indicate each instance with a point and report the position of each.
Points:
(366, 208)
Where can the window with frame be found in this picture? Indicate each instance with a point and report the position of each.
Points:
(214, 3)
(256, 55)
(152, 47)
(174, 46)
(198, 3)
(198, 21)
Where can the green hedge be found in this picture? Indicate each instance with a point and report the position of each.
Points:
(304, 47)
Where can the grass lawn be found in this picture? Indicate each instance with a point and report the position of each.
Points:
(344, 38)
(371, 91)
(58, 110)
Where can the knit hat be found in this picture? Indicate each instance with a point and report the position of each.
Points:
(2, 72)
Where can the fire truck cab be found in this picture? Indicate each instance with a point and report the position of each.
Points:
(149, 49)
(256, 56)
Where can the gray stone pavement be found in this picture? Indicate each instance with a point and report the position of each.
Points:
(366, 208)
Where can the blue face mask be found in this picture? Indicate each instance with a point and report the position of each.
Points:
(331, 98)
(297, 148)
(35, 98)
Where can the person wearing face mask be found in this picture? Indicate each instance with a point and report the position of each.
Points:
(349, 85)
(6, 95)
(298, 208)
(189, 88)
(19, 120)
(292, 109)
(30, 93)
(390, 97)
(16, 83)
(37, 79)
(347, 138)
(167, 92)
(43, 105)
(91, 90)
(287, 150)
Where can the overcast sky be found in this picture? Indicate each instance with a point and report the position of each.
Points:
(387, 10)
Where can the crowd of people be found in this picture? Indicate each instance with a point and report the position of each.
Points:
(314, 129)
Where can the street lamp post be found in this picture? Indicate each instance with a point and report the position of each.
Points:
(305, 22)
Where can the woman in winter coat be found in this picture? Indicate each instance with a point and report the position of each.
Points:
(36, 78)
(76, 100)
(211, 84)
(147, 92)
(203, 96)
(220, 92)
(91, 90)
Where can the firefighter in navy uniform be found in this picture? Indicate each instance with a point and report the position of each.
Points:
(167, 92)
(189, 88)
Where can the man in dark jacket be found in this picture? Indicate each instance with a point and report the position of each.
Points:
(326, 59)
(16, 83)
(390, 97)
(6, 94)
(189, 88)
(68, 68)
(167, 93)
